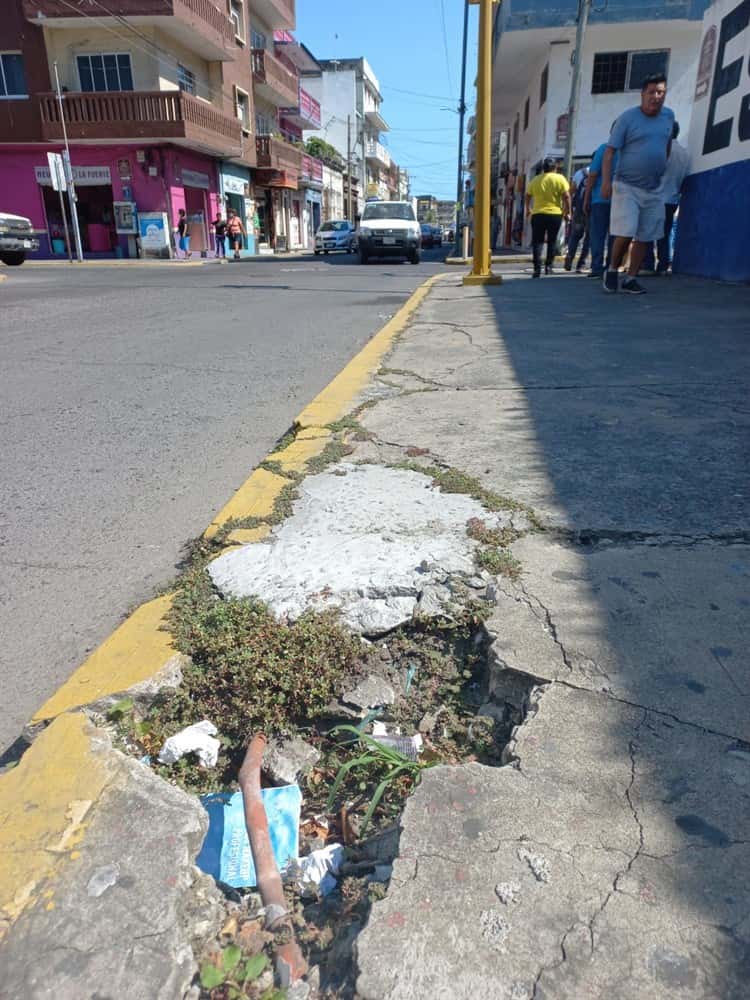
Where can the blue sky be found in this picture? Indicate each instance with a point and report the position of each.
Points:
(404, 42)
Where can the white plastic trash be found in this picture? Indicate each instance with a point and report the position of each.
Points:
(198, 738)
(318, 870)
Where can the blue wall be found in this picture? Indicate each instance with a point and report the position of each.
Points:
(713, 233)
(520, 14)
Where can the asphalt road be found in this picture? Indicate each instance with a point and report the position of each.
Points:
(133, 402)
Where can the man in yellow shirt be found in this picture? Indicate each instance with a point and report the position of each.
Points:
(550, 194)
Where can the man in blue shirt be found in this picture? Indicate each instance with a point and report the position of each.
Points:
(642, 136)
(597, 209)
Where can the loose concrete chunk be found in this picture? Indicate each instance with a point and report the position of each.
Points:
(117, 914)
(539, 865)
(377, 543)
(285, 760)
(508, 892)
(372, 692)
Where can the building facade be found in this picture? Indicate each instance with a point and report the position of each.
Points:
(714, 217)
(167, 105)
(625, 40)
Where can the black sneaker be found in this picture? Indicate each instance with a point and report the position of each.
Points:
(631, 286)
(536, 274)
(549, 269)
(596, 274)
(610, 281)
(568, 264)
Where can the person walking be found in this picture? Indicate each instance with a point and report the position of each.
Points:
(678, 166)
(643, 136)
(183, 233)
(236, 232)
(549, 193)
(220, 236)
(597, 209)
(579, 223)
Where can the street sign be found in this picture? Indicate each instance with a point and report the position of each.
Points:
(57, 172)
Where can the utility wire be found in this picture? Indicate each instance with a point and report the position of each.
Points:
(445, 45)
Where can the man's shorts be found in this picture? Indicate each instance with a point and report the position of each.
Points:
(636, 213)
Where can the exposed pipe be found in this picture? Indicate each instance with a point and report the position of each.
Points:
(290, 963)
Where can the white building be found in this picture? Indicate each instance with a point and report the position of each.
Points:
(349, 96)
(625, 41)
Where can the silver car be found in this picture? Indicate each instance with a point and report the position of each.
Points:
(336, 234)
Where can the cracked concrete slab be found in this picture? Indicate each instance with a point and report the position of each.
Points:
(376, 542)
(664, 627)
(619, 804)
(119, 913)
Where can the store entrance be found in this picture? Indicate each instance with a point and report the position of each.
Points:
(95, 218)
(195, 210)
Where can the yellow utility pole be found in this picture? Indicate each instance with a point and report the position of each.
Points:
(481, 273)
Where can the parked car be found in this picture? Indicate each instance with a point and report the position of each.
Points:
(438, 237)
(449, 234)
(389, 229)
(336, 234)
(16, 238)
(428, 235)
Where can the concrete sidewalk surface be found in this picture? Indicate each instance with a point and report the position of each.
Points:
(609, 856)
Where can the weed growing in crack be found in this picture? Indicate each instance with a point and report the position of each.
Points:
(333, 452)
(248, 672)
(278, 470)
(480, 531)
(386, 764)
(449, 480)
(499, 561)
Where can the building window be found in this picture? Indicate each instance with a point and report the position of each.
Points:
(110, 71)
(526, 114)
(185, 79)
(263, 124)
(615, 72)
(258, 40)
(643, 64)
(237, 14)
(515, 132)
(543, 84)
(12, 76)
(242, 107)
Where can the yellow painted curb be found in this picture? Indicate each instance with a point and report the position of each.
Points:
(135, 652)
(245, 536)
(43, 810)
(255, 498)
(337, 397)
(295, 456)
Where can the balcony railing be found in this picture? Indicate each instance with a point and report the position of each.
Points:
(273, 80)
(277, 154)
(376, 151)
(202, 25)
(161, 114)
(306, 113)
(312, 169)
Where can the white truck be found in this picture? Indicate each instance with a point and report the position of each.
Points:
(16, 239)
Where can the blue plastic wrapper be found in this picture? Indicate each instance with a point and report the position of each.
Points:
(226, 850)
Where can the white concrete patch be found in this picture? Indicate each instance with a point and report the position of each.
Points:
(373, 541)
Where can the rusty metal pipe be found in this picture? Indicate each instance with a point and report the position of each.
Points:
(290, 963)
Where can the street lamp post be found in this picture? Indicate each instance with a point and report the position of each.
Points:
(481, 272)
(584, 8)
(461, 116)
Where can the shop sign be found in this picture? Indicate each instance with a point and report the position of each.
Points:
(123, 168)
(233, 185)
(82, 176)
(561, 131)
(195, 179)
(154, 231)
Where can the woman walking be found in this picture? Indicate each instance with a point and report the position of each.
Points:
(549, 192)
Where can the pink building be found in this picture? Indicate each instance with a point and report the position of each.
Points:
(158, 179)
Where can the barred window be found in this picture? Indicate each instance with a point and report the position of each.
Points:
(615, 72)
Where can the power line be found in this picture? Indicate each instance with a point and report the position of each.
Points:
(416, 93)
(445, 45)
